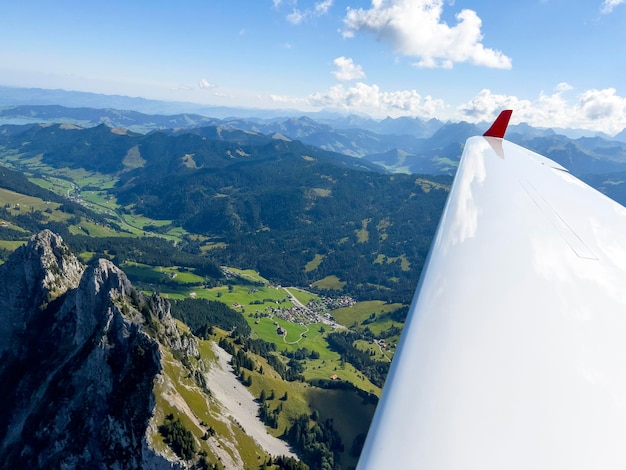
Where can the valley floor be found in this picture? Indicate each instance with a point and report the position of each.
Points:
(239, 403)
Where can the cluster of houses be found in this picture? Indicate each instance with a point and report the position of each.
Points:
(300, 315)
(314, 312)
(332, 303)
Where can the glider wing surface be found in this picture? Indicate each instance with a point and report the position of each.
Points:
(513, 355)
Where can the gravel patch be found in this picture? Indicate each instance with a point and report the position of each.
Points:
(239, 403)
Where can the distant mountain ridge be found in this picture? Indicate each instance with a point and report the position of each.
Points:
(16, 96)
(431, 147)
(263, 187)
(105, 149)
(88, 117)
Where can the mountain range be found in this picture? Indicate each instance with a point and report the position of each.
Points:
(403, 144)
(96, 373)
(273, 203)
(407, 145)
(254, 184)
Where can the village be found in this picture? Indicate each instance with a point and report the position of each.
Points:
(317, 311)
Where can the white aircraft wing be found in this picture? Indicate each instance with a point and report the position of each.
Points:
(513, 355)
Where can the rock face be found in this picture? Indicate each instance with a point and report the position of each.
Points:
(31, 277)
(79, 353)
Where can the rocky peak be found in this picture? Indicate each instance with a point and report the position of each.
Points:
(35, 274)
(81, 353)
(46, 259)
(103, 288)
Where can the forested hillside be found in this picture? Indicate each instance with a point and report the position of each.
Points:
(298, 214)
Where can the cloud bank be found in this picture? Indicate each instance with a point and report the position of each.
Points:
(414, 28)
(370, 99)
(596, 110)
(599, 110)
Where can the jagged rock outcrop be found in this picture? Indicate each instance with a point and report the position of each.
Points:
(31, 277)
(80, 350)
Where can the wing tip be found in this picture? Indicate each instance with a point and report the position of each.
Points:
(498, 128)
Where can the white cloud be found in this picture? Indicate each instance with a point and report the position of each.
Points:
(599, 105)
(284, 100)
(608, 5)
(297, 15)
(182, 87)
(486, 105)
(321, 8)
(347, 70)
(563, 87)
(205, 85)
(597, 110)
(370, 99)
(414, 28)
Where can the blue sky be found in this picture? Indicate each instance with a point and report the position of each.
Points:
(557, 63)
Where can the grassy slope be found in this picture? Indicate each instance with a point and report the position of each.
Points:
(264, 327)
(178, 394)
(24, 202)
(358, 313)
(81, 183)
(330, 283)
(350, 414)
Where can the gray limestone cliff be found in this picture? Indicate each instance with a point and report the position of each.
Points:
(79, 354)
(31, 277)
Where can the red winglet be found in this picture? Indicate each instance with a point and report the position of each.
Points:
(498, 128)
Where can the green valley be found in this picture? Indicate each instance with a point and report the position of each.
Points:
(300, 263)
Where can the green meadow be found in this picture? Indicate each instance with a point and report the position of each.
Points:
(158, 274)
(330, 283)
(361, 311)
(303, 296)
